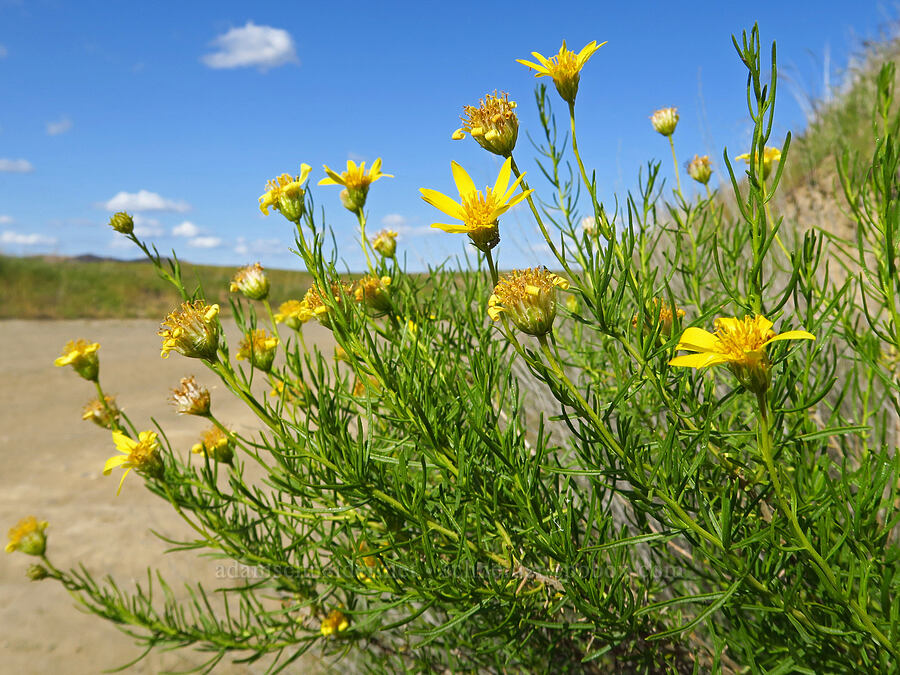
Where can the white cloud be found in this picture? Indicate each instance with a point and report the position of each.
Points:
(5, 220)
(205, 242)
(252, 45)
(20, 239)
(60, 127)
(259, 246)
(3, 52)
(146, 227)
(15, 166)
(186, 229)
(394, 220)
(144, 200)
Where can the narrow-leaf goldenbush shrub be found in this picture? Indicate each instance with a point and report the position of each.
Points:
(671, 448)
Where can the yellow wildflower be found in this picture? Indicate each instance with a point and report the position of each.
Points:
(259, 349)
(285, 193)
(215, 444)
(375, 293)
(141, 455)
(191, 398)
(27, 536)
(385, 243)
(665, 120)
(356, 182)
(493, 124)
(564, 67)
(700, 169)
(82, 356)
(191, 330)
(293, 314)
(102, 414)
(528, 297)
(770, 156)
(122, 222)
(317, 308)
(661, 313)
(479, 211)
(251, 281)
(738, 343)
(335, 622)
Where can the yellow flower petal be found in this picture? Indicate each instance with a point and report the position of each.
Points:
(121, 482)
(698, 340)
(464, 182)
(453, 228)
(791, 335)
(123, 443)
(442, 202)
(502, 184)
(114, 463)
(698, 360)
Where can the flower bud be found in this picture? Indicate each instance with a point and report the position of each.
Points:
(259, 349)
(28, 537)
(335, 622)
(665, 120)
(82, 356)
(122, 222)
(215, 444)
(191, 330)
(37, 572)
(528, 297)
(251, 281)
(699, 169)
(385, 243)
(191, 398)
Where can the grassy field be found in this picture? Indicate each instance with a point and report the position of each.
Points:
(48, 288)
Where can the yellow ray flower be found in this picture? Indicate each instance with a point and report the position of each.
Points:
(738, 343)
(82, 356)
(478, 211)
(141, 454)
(27, 536)
(770, 156)
(564, 67)
(285, 194)
(356, 182)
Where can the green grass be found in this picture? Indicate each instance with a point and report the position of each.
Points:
(42, 288)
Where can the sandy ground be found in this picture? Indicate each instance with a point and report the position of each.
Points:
(51, 468)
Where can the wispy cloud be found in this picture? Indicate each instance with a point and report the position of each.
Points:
(15, 166)
(259, 246)
(144, 200)
(5, 220)
(394, 220)
(60, 127)
(22, 239)
(185, 229)
(146, 227)
(261, 46)
(205, 242)
(3, 52)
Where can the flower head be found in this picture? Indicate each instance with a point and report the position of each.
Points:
(479, 212)
(294, 393)
(493, 124)
(293, 314)
(122, 222)
(699, 169)
(356, 182)
(102, 413)
(82, 356)
(564, 67)
(215, 444)
(141, 455)
(528, 297)
(385, 243)
(27, 536)
(285, 193)
(317, 307)
(251, 281)
(191, 330)
(375, 293)
(259, 349)
(665, 120)
(738, 343)
(770, 156)
(335, 622)
(659, 313)
(191, 398)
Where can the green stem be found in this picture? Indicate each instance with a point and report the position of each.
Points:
(675, 161)
(495, 278)
(361, 217)
(272, 319)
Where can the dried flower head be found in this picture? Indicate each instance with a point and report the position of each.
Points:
(738, 343)
(82, 356)
(375, 293)
(564, 67)
(356, 182)
(659, 313)
(335, 622)
(479, 212)
(385, 243)
(27, 536)
(770, 156)
(493, 124)
(251, 281)
(191, 398)
(191, 330)
(122, 222)
(286, 194)
(142, 455)
(102, 413)
(259, 349)
(700, 169)
(293, 314)
(665, 120)
(528, 297)
(215, 444)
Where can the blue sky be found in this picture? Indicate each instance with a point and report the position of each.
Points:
(180, 112)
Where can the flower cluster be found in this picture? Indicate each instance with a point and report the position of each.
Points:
(215, 444)
(564, 67)
(82, 356)
(142, 455)
(259, 349)
(528, 298)
(492, 123)
(251, 281)
(27, 536)
(286, 194)
(191, 330)
(355, 182)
